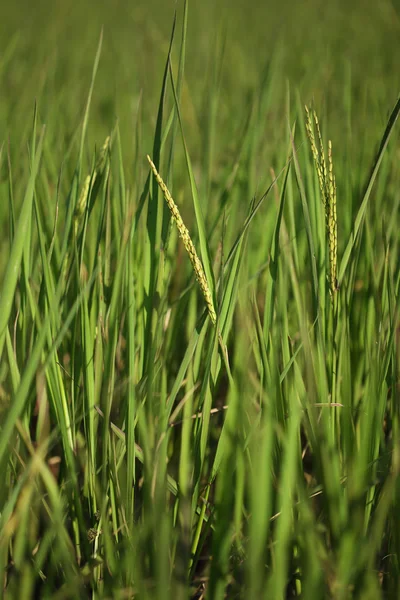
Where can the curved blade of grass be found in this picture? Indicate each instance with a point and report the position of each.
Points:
(273, 266)
(361, 211)
(89, 99)
(181, 69)
(77, 175)
(14, 262)
(154, 220)
(204, 249)
(286, 500)
(307, 221)
(253, 211)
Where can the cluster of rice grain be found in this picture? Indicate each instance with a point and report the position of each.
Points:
(327, 186)
(187, 242)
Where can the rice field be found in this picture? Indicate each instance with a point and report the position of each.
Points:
(199, 300)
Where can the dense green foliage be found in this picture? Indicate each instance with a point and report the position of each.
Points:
(146, 452)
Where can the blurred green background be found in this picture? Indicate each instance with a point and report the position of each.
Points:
(47, 51)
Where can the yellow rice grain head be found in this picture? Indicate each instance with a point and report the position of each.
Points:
(187, 242)
(327, 186)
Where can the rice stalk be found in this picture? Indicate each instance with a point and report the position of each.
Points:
(327, 184)
(187, 242)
